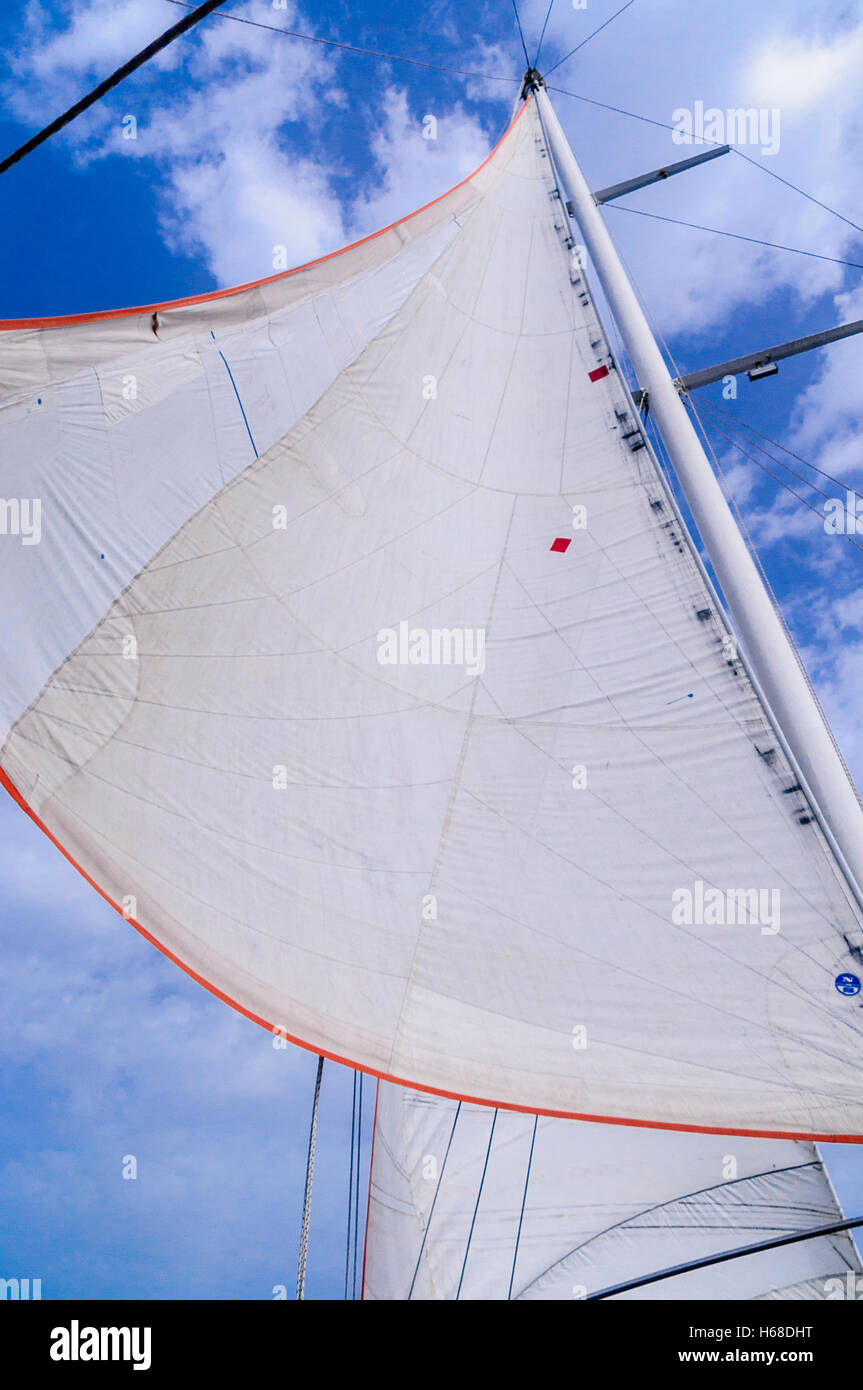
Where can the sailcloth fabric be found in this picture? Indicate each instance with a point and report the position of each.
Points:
(363, 663)
(459, 1209)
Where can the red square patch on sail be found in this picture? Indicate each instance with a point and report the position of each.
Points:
(562, 544)
(599, 374)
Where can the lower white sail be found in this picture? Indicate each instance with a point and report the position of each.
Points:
(603, 1204)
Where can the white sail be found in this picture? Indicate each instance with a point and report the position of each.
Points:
(470, 1203)
(364, 665)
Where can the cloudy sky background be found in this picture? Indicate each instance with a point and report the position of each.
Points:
(248, 140)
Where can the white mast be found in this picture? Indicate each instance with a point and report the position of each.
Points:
(770, 654)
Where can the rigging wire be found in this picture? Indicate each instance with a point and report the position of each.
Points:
(354, 48)
(737, 236)
(664, 125)
(307, 1198)
(523, 1201)
(476, 1207)
(542, 35)
(619, 110)
(788, 184)
(728, 437)
(722, 417)
(198, 12)
(714, 411)
(351, 1185)
(520, 32)
(589, 37)
(780, 612)
(727, 414)
(434, 1200)
(781, 481)
(357, 1201)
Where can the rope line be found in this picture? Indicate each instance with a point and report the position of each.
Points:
(476, 1207)
(523, 1200)
(434, 1200)
(307, 1198)
(199, 12)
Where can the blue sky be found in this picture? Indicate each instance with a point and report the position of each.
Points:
(245, 141)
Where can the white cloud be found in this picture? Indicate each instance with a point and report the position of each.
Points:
(408, 165)
(794, 72)
(696, 281)
(109, 1050)
(835, 659)
(828, 418)
(98, 36)
(240, 171)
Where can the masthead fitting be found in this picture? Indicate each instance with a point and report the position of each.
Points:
(531, 82)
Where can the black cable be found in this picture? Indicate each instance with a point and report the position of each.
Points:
(542, 35)
(737, 236)
(590, 36)
(353, 48)
(199, 12)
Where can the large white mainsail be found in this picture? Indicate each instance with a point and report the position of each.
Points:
(469, 1203)
(365, 665)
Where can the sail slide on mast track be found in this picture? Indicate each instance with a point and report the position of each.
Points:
(388, 698)
(559, 1210)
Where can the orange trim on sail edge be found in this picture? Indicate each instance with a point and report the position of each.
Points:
(13, 791)
(66, 320)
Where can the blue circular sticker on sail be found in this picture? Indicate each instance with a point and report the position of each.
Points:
(848, 984)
